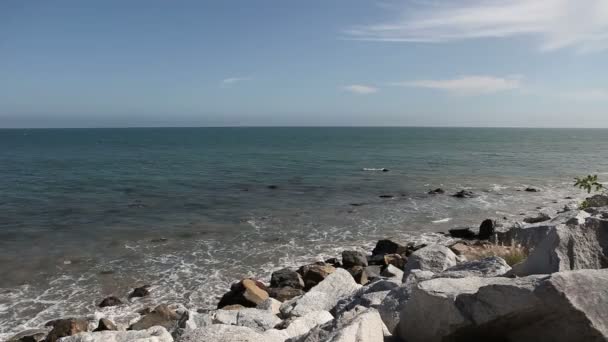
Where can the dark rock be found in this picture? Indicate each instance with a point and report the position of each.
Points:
(531, 190)
(386, 196)
(387, 247)
(335, 262)
(437, 191)
(385, 170)
(286, 277)
(462, 233)
(542, 217)
(110, 301)
(162, 316)
(66, 327)
(144, 311)
(353, 258)
(359, 274)
(597, 201)
(140, 291)
(357, 204)
(486, 229)
(284, 293)
(411, 248)
(247, 292)
(396, 260)
(31, 335)
(273, 187)
(105, 324)
(315, 273)
(464, 194)
(375, 260)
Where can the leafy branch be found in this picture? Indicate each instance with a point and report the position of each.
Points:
(588, 183)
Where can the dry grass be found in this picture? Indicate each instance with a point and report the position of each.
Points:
(511, 254)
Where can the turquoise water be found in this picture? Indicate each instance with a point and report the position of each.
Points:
(190, 209)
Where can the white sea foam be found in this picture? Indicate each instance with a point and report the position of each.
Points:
(447, 219)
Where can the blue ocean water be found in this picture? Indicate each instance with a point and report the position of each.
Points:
(85, 213)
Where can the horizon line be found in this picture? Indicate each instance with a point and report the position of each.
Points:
(302, 126)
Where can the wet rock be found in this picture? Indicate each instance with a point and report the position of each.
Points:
(110, 301)
(105, 324)
(386, 196)
(286, 277)
(388, 247)
(66, 327)
(359, 274)
(486, 229)
(142, 291)
(154, 334)
(462, 233)
(541, 217)
(162, 316)
(353, 258)
(530, 189)
(315, 273)
(31, 335)
(273, 187)
(437, 191)
(247, 292)
(596, 201)
(284, 293)
(464, 194)
(434, 258)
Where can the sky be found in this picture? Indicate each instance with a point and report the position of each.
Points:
(117, 63)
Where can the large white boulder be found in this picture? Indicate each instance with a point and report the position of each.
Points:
(153, 334)
(230, 333)
(434, 258)
(324, 296)
(565, 306)
(252, 318)
(358, 325)
(487, 267)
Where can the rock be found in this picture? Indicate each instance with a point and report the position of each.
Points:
(66, 327)
(271, 305)
(375, 260)
(437, 191)
(233, 307)
(396, 260)
(486, 229)
(105, 324)
(247, 292)
(315, 273)
(31, 335)
(284, 293)
(368, 296)
(191, 320)
(154, 334)
(386, 196)
(373, 272)
(392, 272)
(462, 233)
(353, 258)
(359, 274)
(302, 325)
(566, 306)
(596, 201)
(110, 301)
(259, 320)
(541, 217)
(464, 194)
(334, 262)
(434, 258)
(359, 326)
(162, 316)
(529, 189)
(142, 291)
(387, 247)
(286, 277)
(230, 333)
(488, 267)
(323, 297)
(567, 247)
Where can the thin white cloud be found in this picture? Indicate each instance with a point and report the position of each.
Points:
(227, 82)
(467, 85)
(360, 89)
(557, 24)
(590, 95)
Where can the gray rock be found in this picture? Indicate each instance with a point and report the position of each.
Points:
(324, 296)
(284, 293)
(271, 305)
(434, 258)
(162, 315)
(360, 326)
(596, 201)
(353, 258)
(66, 327)
(541, 217)
(230, 333)
(392, 272)
(488, 267)
(286, 277)
(302, 325)
(105, 324)
(257, 319)
(154, 334)
(31, 335)
(566, 306)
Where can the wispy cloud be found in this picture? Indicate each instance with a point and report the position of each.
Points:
(591, 95)
(467, 85)
(227, 82)
(360, 89)
(578, 24)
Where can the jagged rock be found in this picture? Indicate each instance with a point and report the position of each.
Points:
(396, 260)
(387, 246)
(230, 333)
(110, 301)
(322, 297)
(392, 272)
(566, 306)
(66, 327)
(370, 295)
(142, 291)
(191, 320)
(30, 335)
(286, 277)
(162, 316)
(357, 326)
(153, 334)
(271, 305)
(462, 233)
(596, 201)
(434, 258)
(541, 217)
(284, 293)
(358, 274)
(315, 273)
(373, 272)
(105, 324)
(464, 194)
(334, 262)
(568, 247)
(259, 320)
(488, 267)
(437, 191)
(486, 229)
(353, 258)
(247, 292)
(299, 326)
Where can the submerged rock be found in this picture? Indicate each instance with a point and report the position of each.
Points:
(530, 189)
(464, 194)
(437, 191)
(110, 301)
(142, 291)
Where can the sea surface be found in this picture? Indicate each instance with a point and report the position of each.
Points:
(86, 213)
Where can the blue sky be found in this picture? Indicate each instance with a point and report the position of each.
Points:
(317, 62)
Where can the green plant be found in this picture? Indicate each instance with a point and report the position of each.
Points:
(588, 183)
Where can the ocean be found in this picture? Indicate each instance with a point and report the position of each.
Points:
(86, 213)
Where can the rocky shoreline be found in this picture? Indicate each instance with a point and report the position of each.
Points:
(542, 279)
